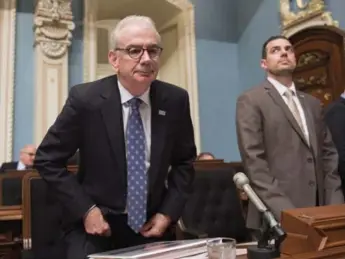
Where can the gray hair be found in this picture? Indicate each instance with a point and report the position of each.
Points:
(132, 20)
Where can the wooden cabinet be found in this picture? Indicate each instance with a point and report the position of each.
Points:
(320, 58)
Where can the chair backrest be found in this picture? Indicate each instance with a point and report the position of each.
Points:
(11, 188)
(42, 231)
(214, 206)
(237, 166)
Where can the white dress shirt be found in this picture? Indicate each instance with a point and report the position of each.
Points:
(20, 166)
(282, 89)
(145, 113)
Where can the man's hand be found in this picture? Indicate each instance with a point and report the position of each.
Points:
(156, 226)
(95, 223)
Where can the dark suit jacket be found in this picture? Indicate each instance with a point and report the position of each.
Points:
(8, 166)
(74, 160)
(91, 120)
(284, 170)
(335, 119)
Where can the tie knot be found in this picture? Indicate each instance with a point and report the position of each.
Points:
(134, 103)
(289, 92)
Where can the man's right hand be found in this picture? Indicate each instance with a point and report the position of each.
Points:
(95, 224)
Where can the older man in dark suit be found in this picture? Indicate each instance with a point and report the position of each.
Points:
(26, 160)
(129, 129)
(287, 150)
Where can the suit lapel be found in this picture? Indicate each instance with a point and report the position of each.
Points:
(158, 128)
(113, 120)
(310, 123)
(280, 102)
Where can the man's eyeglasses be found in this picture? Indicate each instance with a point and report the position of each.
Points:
(29, 153)
(137, 52)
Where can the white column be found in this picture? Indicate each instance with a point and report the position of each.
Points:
(7, 57)
(90, 40)
(53, 25)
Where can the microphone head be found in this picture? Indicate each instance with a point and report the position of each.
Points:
(240, 179)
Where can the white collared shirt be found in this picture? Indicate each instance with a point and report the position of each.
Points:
(20, 166)
(145, 113)
(282, 89)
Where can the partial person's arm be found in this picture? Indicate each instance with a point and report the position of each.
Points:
(335, 120)
(182, 171)
(59, 144)
(330, 158)
(251, 144)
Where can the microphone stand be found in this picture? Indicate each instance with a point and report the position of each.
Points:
(264, 249)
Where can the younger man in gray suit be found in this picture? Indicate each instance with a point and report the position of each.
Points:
(287, 151)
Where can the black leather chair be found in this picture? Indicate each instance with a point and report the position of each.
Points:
(42, 220)
(11, 188)
(214, 208)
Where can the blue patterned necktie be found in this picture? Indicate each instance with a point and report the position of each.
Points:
(136, 172)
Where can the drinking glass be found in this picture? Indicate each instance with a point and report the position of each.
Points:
(221, 248)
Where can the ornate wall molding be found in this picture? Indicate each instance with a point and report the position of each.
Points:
(186, 50)
(312, 58)
(53, 25)
(305, 14)
(7, 54)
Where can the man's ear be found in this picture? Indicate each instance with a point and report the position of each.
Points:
(112, 59)
(263, 64)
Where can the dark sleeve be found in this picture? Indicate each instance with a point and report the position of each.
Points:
(58, 145)
(8, 166)
(181, 175)
(335, 120)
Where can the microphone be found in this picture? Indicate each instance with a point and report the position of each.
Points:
(242, 182)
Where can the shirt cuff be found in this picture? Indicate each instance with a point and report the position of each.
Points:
(91, 208)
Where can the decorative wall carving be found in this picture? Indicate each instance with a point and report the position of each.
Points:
(53, 24)
(301, 5)
(323, 94)
(310, 58)
(319, 80)
(7, 60)
(307, 14)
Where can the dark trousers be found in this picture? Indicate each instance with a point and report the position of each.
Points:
(79, 244)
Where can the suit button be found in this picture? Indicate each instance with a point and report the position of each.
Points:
(311, 183)
(310, 160)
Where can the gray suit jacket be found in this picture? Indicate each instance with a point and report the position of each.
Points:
(283, 169)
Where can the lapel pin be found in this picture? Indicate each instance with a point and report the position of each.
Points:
(162, 113)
